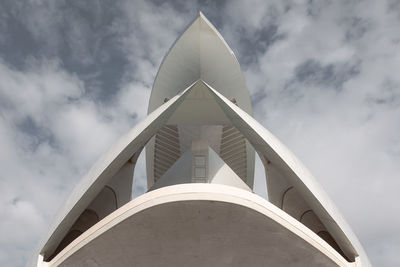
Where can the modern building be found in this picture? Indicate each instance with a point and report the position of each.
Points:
(200, 140)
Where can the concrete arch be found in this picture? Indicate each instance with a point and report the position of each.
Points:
(87, 219)
(284, 195)
(304, 213)
(114, 195)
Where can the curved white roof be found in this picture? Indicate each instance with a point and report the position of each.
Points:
(200, 53)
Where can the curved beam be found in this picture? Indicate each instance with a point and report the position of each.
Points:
(105, 168)
(296, 174)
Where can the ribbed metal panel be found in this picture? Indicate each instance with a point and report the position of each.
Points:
(166, 150)
(233, 150)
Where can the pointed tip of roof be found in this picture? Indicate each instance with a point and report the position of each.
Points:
(202, 17)
(226, 75)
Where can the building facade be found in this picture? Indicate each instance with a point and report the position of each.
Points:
(200, 141)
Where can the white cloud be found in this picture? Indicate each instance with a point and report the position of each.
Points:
(51, 132)
(346, 131)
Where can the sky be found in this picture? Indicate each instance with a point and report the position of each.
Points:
(323, 77)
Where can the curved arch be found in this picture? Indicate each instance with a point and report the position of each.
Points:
(304, 213)
(284, 194)
(94, 213)
(105, 202)
(114, 194)
(70, 236)
(86, 220)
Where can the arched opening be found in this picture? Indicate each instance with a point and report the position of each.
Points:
(86, 220)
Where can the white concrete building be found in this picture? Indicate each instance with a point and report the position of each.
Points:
(200, 140)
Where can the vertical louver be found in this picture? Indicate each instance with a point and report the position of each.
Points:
(167, 149)
(233, 150)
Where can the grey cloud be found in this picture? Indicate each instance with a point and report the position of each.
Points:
(356, 28)
(39, 134)
(251, 28)
(314, 8)
(388, 96)
(18, 43)
(394, 6)
(78, 33)
(257, 43)
(312, 72)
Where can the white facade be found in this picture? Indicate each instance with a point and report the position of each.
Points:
(200, 140)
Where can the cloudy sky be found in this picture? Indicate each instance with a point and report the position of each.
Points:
(323, 75)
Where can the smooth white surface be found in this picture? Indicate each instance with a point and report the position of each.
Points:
(200, 53)
(199, 225)
(221, 173)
